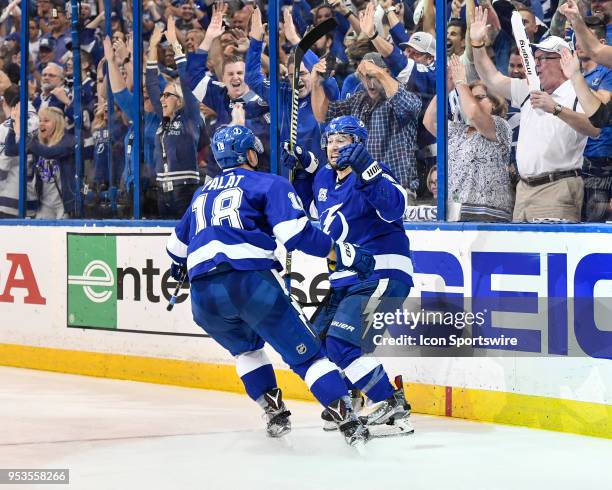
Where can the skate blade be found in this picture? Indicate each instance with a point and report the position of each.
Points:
(360, 448)
(286, 441)
(401, 427)
(330, 426)
(279, 435)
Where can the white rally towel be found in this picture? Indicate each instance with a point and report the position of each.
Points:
(522, 42)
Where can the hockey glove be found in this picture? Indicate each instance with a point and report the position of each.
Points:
(357, 156)
(178, 271)
(302, 159)
(354, 258)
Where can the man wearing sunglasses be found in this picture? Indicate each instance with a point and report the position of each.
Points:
(553, 131)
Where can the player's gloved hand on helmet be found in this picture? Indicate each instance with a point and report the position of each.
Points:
(354, 258)
(301, 159)
(178, 271)
(358, 157)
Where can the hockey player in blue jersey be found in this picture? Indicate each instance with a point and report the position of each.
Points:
(225, 241)
(358, 200)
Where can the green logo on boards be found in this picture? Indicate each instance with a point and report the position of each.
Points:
(92, 285)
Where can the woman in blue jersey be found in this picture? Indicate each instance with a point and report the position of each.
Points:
(53, 151)
(177, 139)
(125, 100)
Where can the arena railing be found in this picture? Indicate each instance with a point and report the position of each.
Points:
(273, 20)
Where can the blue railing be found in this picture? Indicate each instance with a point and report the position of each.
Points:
(137, 100)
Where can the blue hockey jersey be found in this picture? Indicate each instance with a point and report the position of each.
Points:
(234, 220)
(366, 215)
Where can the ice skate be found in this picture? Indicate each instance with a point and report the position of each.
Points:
(276, 414)
(393, 412)
(354, 431)
(357, 403)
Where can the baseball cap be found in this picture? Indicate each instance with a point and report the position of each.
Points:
(47, 43)
(552, 44)
(13, 36)
(375, 58)
(423, 42)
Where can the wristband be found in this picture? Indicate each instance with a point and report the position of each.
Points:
(374, 36)
(178, 49)
(373, 171)
(476, 46)
(348, 14)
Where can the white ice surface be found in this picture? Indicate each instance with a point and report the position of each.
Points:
(126, 435)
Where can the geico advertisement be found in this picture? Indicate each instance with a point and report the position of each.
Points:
(551, 293)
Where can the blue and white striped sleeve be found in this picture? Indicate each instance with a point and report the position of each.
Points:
(386, 195)
(285, 213)
(179, 239)
(195, 74)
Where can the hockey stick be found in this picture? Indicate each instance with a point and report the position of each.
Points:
(175, 294)
(304, 45)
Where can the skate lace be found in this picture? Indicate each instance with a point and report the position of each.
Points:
(274, 415)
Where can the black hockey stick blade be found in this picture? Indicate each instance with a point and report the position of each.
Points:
(317, 33)
(304, 45)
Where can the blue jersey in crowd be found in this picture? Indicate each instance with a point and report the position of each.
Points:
(367, 215)
(177, 142)
(247, 210)
(600, 78)
(214, 94)
(309, 133)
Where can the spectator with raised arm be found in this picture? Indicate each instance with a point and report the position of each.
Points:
(598, 113)
(178, 135)
(221, 96)
(599, 53)
(552, 133)
(478, 152)
(127, 158)
(53, 151)
(308, 132)
(389, 110)
(595, 83)
(60, 31)
(9, 163)
(415, 67)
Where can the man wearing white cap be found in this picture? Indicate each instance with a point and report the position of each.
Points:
(553, 131)
(421, 47)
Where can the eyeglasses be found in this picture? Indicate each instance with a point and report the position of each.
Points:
(165, 95)
(539, 59)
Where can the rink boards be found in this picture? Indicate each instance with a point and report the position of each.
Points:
(92, 300)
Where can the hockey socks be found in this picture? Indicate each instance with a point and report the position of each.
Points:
(375, 384)
(323, 379)
(365, 373)
(256, 372)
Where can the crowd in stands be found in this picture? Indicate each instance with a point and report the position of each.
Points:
(516, 152)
